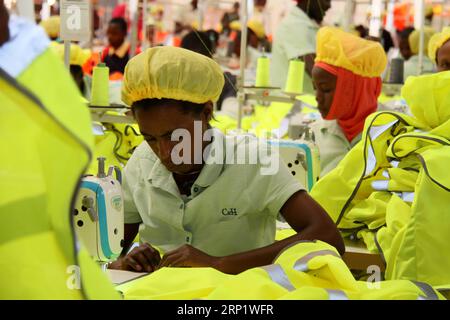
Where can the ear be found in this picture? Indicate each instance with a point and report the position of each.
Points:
(207, 112)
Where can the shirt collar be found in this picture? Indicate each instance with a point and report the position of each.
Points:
(27, 41)
(121, 51)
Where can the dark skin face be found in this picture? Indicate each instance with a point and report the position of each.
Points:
(157, 124)
(325, 85)
(4, 19)
(405, 49)
(315, 9)
(443, 57)
(116, 36)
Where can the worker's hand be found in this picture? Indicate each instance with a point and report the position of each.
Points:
(188, 256)
(144, 258)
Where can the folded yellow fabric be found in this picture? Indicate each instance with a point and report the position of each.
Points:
(78, 56)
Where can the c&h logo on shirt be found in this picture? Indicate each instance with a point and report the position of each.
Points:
(229, 212)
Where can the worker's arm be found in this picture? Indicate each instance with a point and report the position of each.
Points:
(141, 258)
(302, 213)
(309, 62)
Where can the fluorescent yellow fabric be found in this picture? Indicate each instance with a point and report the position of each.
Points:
(51, 26)
(172, 73)
(40, 180)
(414, 40)
(174, 283)
(436, 42)
(302, 271)
(78, 56)
(409, 155)
(341, 49)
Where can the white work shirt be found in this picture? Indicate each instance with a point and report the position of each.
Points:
(332, 143)
(295, 37)
(232, 207)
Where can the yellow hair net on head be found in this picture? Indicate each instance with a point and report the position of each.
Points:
(78, 56)
(341, 49)
(51, 26)
(414, 39)
(436, 42)
(428, 96)
(172, 73)
(254, 25)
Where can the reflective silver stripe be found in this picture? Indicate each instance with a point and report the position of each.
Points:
(277, 274)
(374, 133)
(427, 290)
(380, 185)
(336, 295)
(302, 263)
(408, 196)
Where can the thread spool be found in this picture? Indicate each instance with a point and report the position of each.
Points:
(262, 72)
(396, 71)
(294, 83)
(100, 86)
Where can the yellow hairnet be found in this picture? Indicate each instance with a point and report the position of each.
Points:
(341, 49)
(172, 73)
(436, 42)
(428, 96)
(51, 26)
(414, 39)
(254, 25)
(78, 56)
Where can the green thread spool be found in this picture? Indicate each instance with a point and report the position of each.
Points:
(100, 86)
(294, 83)
(262, 72)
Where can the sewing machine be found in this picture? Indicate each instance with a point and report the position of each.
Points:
(98, 215)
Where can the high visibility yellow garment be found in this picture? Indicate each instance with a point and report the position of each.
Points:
(174, 283)
(117, 145)
(304, 270)
(411, 203)
(40, 177)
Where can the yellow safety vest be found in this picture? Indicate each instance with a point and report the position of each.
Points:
(391, 190)
(47, 134)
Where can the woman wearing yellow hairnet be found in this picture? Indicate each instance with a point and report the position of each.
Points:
(346, 76)
(182, 196)
(439, 50)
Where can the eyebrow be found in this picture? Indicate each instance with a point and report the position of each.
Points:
(164, 134)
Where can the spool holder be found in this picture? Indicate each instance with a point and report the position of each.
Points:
(263, 96)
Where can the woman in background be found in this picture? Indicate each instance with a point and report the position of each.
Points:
(346, 76)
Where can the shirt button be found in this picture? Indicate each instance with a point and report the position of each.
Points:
(195, 189)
